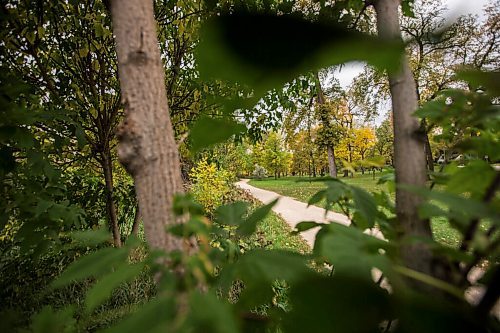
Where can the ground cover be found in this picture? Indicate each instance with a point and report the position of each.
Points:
(302, 188)
(277, 234)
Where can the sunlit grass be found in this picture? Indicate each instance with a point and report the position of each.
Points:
(302, 188)
(278, 235)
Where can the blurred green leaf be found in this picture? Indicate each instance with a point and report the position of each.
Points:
(103, 288)
(50, 321)
(317, 197)
(208, 131)
(154, 317)
(306, 225)
(210, 314)
(258, 269)
(344, 303)
(351, 251)
(91, 237)
(231, 214)
(265, 51)
(366, 208)
(248, 226)
(92, 265)
(489, 81)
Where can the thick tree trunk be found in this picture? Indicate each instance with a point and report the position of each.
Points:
(147, 146)
(332, 168)
(409, 157)
(107, 167)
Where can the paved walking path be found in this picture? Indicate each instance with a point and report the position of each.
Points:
(293, 211)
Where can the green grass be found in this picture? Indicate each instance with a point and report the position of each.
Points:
(277, 234)
(302, 188)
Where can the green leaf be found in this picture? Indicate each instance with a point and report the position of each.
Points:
(280, 47)
(407, 7)
(306, 225)
(91, 237)
(460, 209)
(365, 206)
(467, 179)
(154, 317)
(250, 223)
(258, 269)
(49, 321)
(231, 214)
(428, 210)
(24, 138)
(92, 265)
(490, 81)
(186, 204)
(103, 288)
(7, 160)
(210, 314)
(351, 251)
(317, 197)
(342, 303)
(208, 131)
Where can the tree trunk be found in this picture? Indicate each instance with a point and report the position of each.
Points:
(409, 155)
(427, 147)
(107, 168)
(147, 146)
(137, 221)
(332, 168)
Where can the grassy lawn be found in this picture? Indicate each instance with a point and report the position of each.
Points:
(277, 234)
(302, 188)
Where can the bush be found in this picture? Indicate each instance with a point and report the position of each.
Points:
(211, 186)
(259, 172)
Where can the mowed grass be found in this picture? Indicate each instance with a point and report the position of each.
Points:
(302, 188)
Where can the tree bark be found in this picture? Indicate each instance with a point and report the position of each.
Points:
(147, 146)
(427, 146)
(332, 168)
(107, 167)
(137, 221)
(409, 156)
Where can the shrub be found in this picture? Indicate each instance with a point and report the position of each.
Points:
(211, 186)
(259, 172)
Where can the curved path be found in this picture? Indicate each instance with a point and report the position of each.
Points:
(293, 211)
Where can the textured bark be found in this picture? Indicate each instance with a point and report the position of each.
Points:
(332, 168)
(409, 156)
(107, 168)
(147, 146)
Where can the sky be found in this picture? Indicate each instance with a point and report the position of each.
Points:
(456, 8)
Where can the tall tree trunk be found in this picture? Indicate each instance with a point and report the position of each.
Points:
(332, 168)
(147, 146)
(137, 221)
(409, 155)
(427, 147)
(107, 167)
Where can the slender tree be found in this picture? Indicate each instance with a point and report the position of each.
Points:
(409, 157)
(147, 146)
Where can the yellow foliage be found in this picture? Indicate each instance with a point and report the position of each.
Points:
(210, 185)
